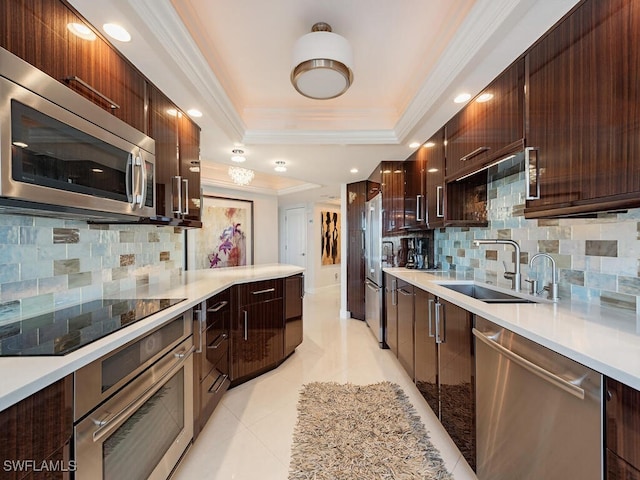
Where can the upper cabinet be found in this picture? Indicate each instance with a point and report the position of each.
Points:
(490, 127)
(583, 104)
(177, 159)
(392, 189)
(36, 31)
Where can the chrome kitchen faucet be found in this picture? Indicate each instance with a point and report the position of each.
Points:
(513, 276)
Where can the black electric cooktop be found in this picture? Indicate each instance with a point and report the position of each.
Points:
(65, 330)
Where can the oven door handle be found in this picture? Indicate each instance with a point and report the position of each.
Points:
(113, 421)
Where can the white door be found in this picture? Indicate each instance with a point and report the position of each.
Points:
(295, 237)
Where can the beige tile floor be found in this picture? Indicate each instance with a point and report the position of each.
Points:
(249, 435)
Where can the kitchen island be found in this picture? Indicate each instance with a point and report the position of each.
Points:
(23, 376)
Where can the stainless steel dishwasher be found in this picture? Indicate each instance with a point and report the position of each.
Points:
(539, 414)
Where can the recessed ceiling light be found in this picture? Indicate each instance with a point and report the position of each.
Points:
(172, 111)
(461, 98)
(117, 32)
(414, 145)
(81, 30)
(280, 166)
(485, 97)
(238, 155)
(194, 113)
(354, 170)
(429, 145)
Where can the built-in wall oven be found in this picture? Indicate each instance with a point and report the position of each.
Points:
(59, 152)
(134, 407)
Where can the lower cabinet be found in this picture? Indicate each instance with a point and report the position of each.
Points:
(622, 430)
(405, 326)
(445, 365)
(391, 312)
(293, 295)
(211, 358)
(38, 431)
(257, 330)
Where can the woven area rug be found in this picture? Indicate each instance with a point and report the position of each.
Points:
(367, 432)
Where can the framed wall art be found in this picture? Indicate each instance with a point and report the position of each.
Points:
(226, 236)
(330, 237)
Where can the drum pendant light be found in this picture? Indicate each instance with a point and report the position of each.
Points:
(322, 64)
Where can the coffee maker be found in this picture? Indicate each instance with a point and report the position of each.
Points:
(409, 245)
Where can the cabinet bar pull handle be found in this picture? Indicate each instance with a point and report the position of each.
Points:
(201, 319)
(475, 153)
(74, 78)
(566, 385)
(215, 344)
(394, 292)
(217, 307)
(185, 193)
(219, 382)
(429, 305)
(404, 292)
(176, 192)
(246, 325)
(129, 176)
(532, 186)
(439, 201)
(419, 208)
(266, 290)
(143, 180)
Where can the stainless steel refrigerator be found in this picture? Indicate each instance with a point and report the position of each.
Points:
(373, 255)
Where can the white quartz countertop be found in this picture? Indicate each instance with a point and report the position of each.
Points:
(604, 339)
(23, 376)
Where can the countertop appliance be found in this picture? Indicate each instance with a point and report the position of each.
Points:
(61, 153)
(65, 330)
(373, 264)
(133, 407)
(554, 431)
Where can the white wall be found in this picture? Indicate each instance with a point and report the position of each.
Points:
(265, 221)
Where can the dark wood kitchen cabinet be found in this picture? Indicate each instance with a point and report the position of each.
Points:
(489, 127)
(356, 262)
(433, 155)
(622, 429)
(585, 128)
(391, 312)
(36, 31)
(257, 330)
(211, 332)
(392, 188)
(426, 349)
(38, 429)
(405, 321)
(414, 191)
(177, 159)
(457, 377)
(293, 298)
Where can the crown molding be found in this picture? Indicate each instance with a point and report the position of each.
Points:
(169, 30)
(482, 22)
(321, 137)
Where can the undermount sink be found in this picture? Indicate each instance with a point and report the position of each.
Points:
(487, 295)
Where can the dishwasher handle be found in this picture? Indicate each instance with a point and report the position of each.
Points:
(544, 374)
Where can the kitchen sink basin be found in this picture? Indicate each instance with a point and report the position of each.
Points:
(487, 295)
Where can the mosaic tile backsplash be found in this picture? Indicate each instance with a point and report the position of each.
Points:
(597, 258)
(48, 263)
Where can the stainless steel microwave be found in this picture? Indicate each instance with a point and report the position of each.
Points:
(61, 153)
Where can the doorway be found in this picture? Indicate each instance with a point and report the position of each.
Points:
(295, 236)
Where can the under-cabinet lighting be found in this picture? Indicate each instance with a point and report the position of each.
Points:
(117, 32)
(500, 160)
(461, 98)
(82, 31)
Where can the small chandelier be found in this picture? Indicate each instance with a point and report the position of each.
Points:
(322, 61)
(241, 176)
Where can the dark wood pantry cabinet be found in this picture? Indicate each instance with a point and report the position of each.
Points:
(36, 31)
(583, 106)
(356, 219)
(392, 189)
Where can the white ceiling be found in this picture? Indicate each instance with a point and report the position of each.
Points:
(231, 60)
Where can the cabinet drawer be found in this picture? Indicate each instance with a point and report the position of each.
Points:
(618, 469)
(256, 292)
(219, 311)
(217, 345)
(212, 389)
